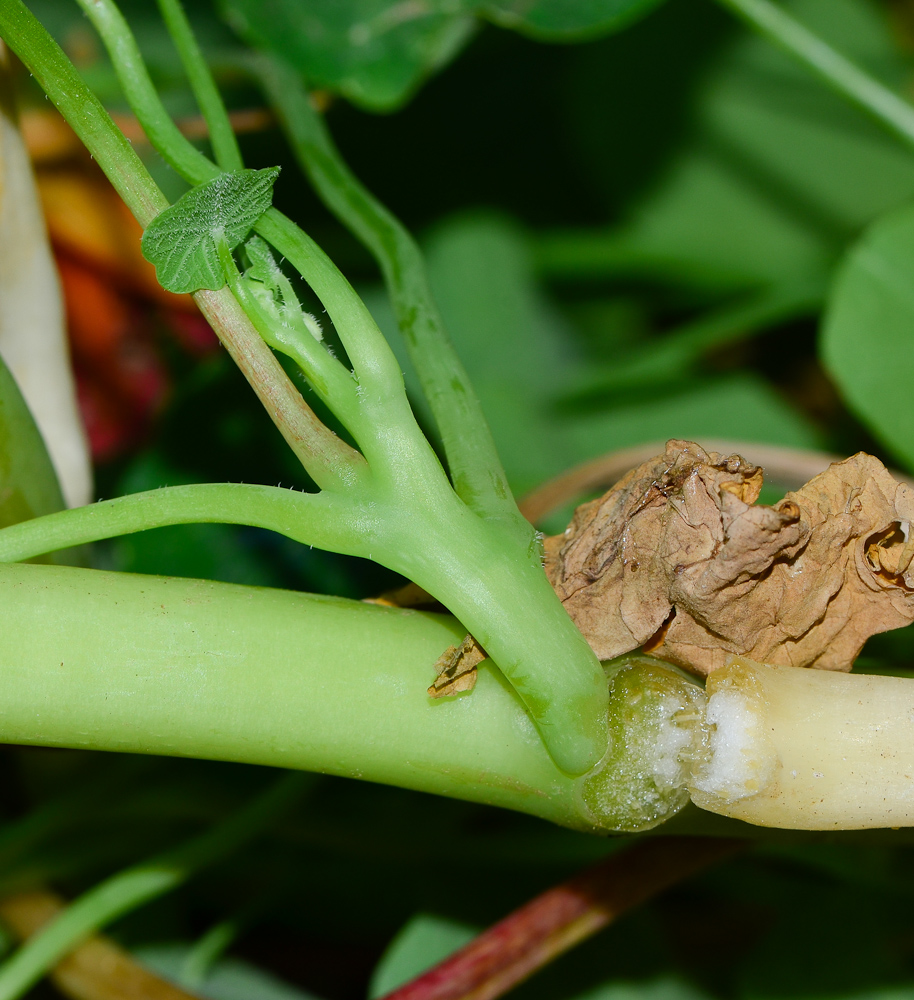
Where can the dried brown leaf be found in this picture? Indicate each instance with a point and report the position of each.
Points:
(456, 668)
(679, 559)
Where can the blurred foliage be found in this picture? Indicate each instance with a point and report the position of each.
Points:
(630, 238)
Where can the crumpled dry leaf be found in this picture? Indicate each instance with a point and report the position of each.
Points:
(677, 558)
(456, 669)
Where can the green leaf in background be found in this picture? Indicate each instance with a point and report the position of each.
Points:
(229, 978)
(182, 240)
(776, 173)
(562, 20)
(28, 483)
(374, 52)
(423, 942)
(868, 331)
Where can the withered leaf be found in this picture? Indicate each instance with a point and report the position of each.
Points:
(679, 559)
(456, 668)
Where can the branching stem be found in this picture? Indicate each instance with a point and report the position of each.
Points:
(473, 462)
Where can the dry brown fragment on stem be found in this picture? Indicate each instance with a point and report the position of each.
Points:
(679, 559)
(456, 669)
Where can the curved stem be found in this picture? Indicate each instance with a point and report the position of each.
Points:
(473, 461)
(221, 134)
(305, 517)
(140, 884)
(175, 148)
(772, 21)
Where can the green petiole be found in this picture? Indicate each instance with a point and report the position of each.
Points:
(474, 465)
(221, 135)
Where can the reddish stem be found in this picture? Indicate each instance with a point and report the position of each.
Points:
(529, 938)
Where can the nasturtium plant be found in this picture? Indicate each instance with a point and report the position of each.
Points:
(437, 400)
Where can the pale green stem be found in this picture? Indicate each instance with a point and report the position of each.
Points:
(140, 884)
(505, 601)
(309, 518)
(142, 664)
(473, 461)
(836, 70)
(221, 134)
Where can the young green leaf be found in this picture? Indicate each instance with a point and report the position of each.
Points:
(182, 241)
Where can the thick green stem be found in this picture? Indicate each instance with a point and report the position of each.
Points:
(506, 602)
(191, 668)
(221, 134)
(770, 20)
(473, 462)
(140, 884)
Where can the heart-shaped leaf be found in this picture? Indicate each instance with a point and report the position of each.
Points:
(182, 241)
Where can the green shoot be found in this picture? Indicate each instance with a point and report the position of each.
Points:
(398, 509)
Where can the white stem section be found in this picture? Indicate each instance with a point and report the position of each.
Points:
(32, 330)
(807, 749)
